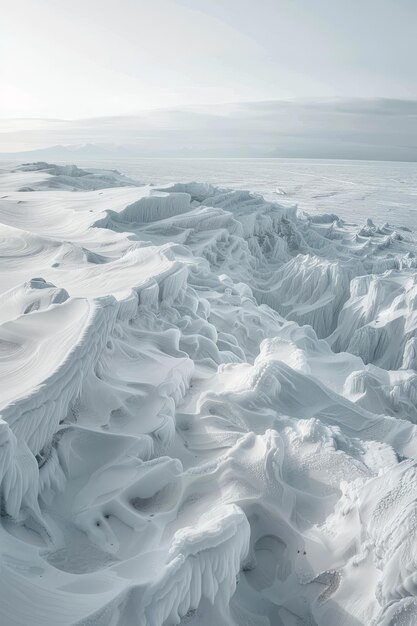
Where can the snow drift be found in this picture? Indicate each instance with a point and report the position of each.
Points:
(208, 408)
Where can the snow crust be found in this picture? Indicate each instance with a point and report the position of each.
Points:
(208, 408)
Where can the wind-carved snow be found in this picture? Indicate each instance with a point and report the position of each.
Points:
(208, 408)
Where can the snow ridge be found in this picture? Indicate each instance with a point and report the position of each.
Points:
(208, 410)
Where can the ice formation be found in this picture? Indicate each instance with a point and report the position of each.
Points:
(208, 408)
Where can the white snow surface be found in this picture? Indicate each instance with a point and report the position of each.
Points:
(208, 408)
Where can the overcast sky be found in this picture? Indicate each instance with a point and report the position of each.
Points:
(83, 59)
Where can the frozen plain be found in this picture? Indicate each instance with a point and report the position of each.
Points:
(208, 400)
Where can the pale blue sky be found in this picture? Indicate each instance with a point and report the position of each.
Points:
(89, 58)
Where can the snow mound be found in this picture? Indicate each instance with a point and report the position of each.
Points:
(72, 178)
(209, 407)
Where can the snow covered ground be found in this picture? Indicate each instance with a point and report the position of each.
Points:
(208, 407)
(384, 191)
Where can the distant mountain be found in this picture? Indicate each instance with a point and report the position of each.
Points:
(71, 153)
(98, 152)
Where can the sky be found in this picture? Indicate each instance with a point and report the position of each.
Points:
(94, 59)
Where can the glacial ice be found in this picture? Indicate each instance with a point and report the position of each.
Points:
(208, 408)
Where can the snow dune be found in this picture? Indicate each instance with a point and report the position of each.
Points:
(208, 408)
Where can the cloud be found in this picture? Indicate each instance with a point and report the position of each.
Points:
(332, 128)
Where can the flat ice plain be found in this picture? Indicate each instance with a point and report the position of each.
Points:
(208, 401)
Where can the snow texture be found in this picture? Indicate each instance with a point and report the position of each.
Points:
(208, 408)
